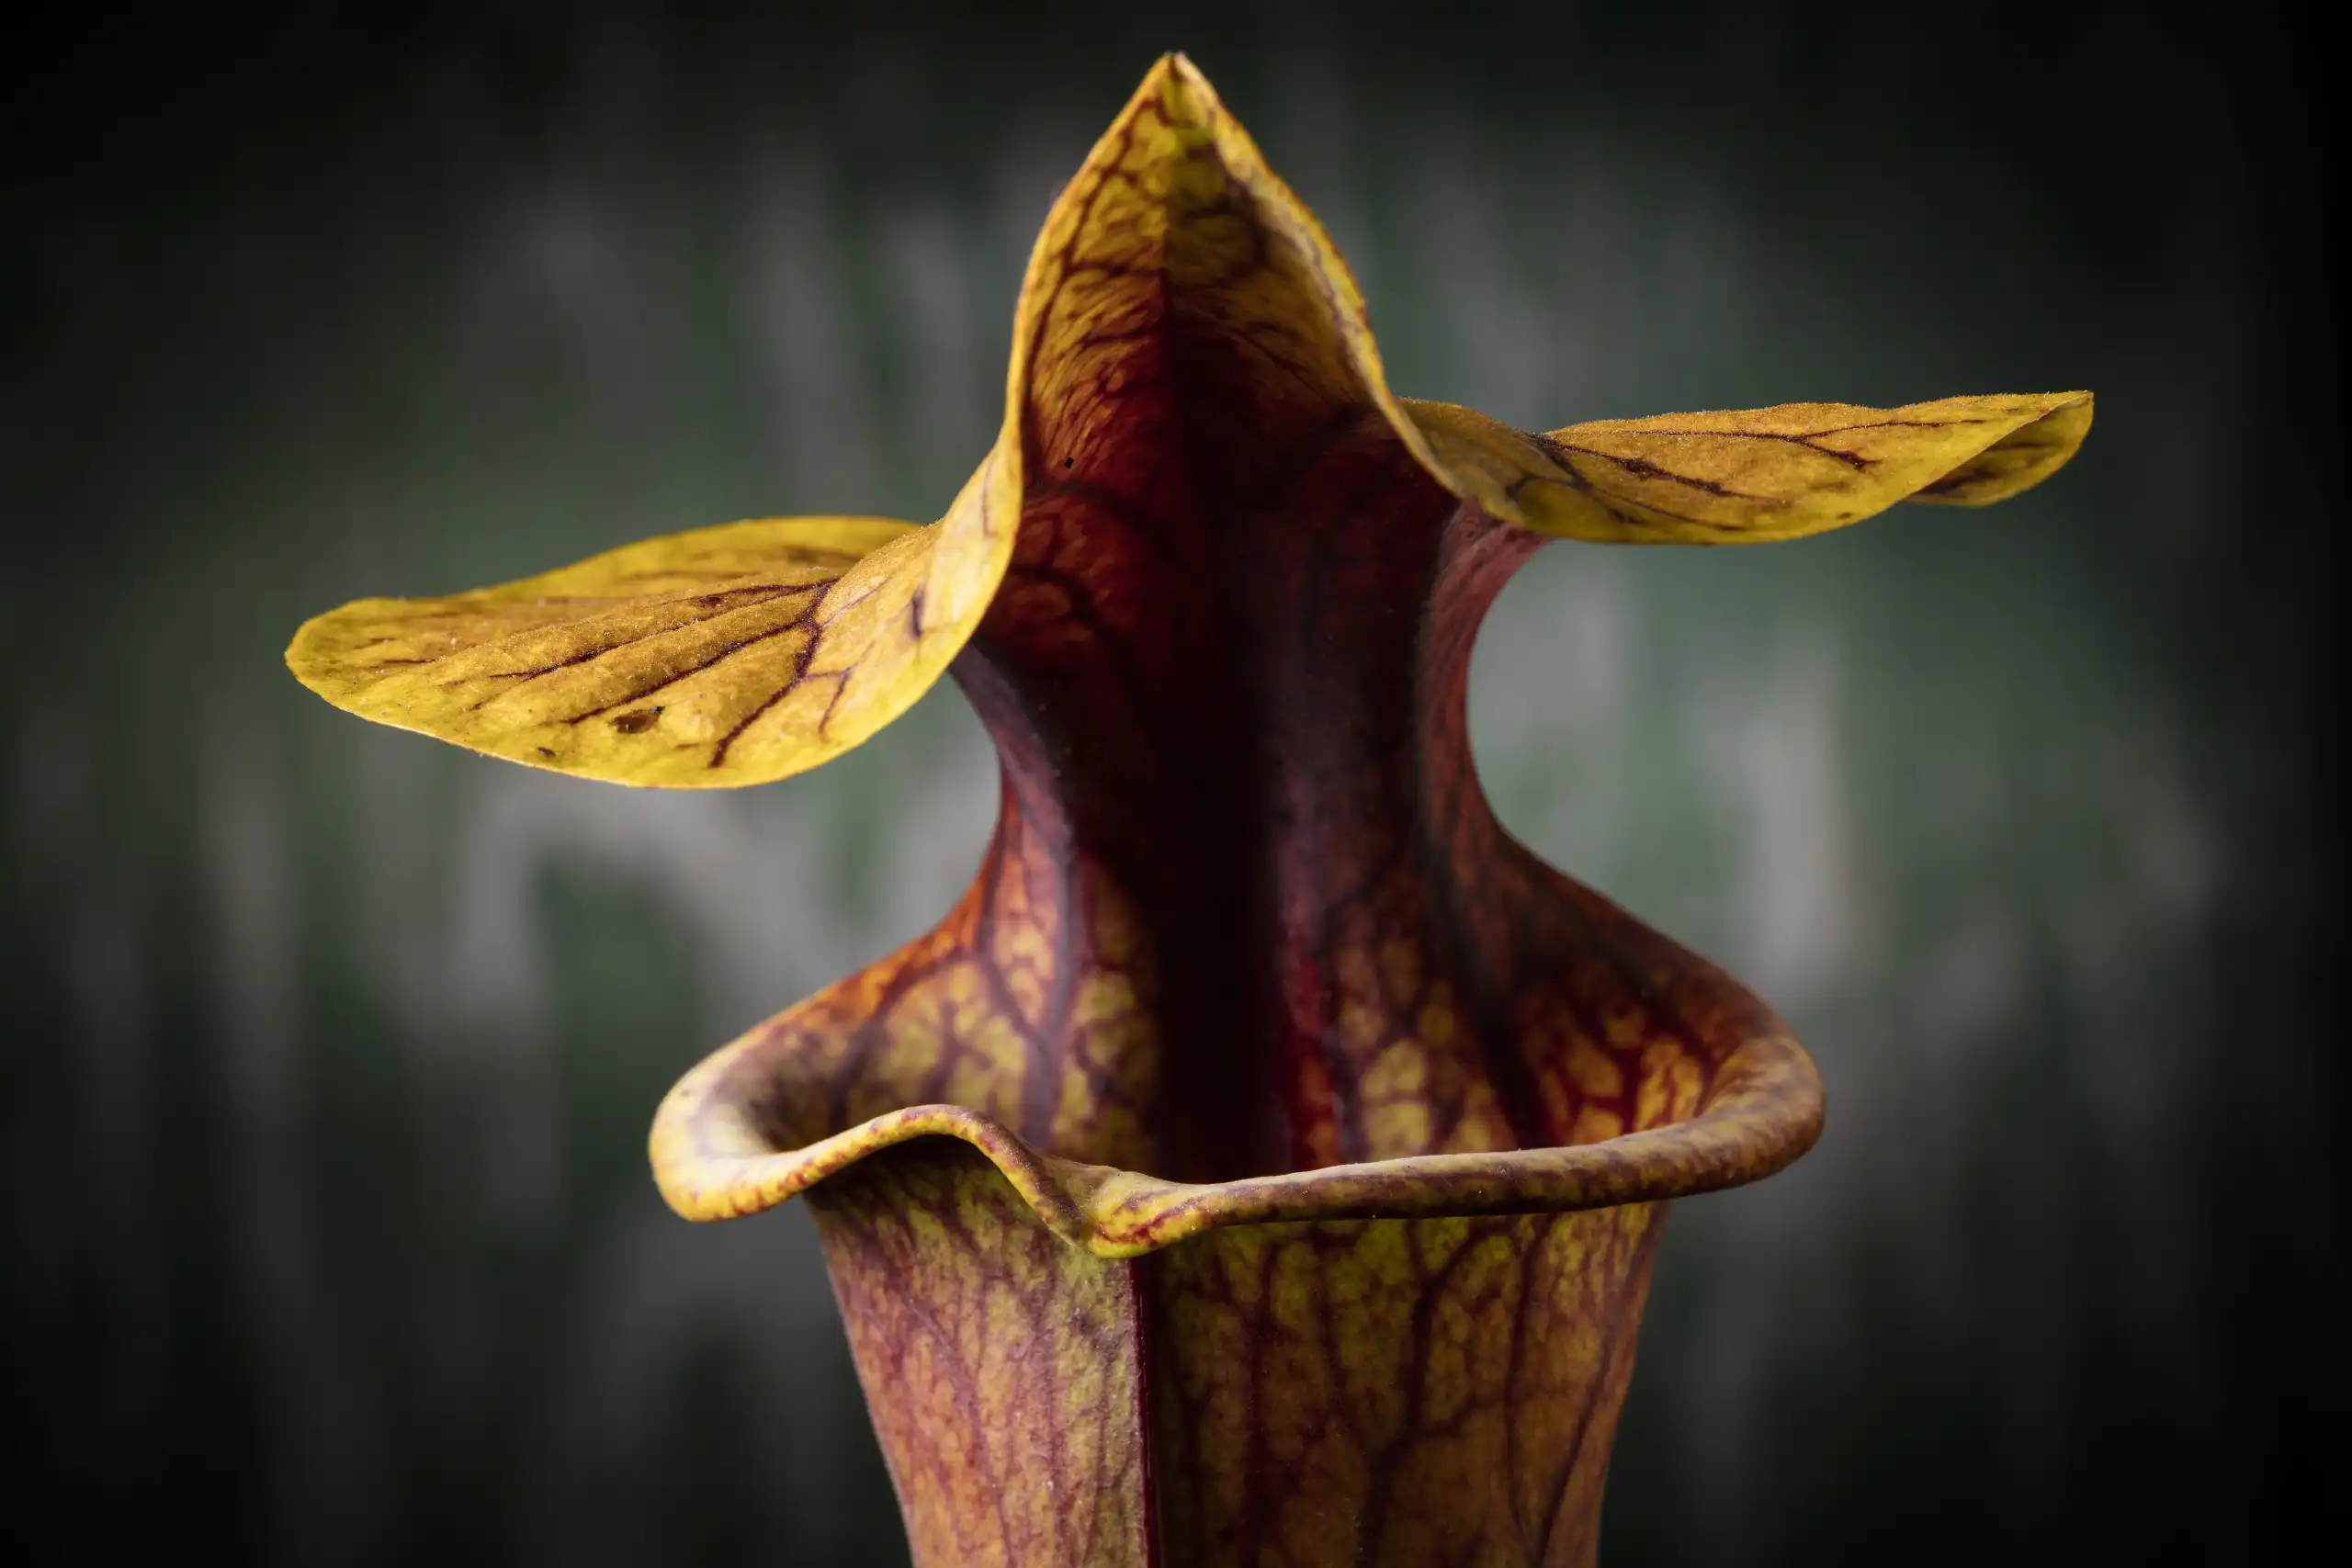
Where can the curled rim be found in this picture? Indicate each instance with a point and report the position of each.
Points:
(713, 1161)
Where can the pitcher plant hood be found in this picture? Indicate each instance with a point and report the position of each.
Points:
(1251, 987)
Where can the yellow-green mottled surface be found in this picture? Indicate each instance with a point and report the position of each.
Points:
(1262, 1099)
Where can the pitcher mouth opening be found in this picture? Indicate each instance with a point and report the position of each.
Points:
(713, 1159)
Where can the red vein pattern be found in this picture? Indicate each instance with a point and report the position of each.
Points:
(1262, 1163)
(1001, 1363)
(1247, 917)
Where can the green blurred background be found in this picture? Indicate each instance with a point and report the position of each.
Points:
(328, 1236)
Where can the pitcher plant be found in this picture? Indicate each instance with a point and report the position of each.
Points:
(1263, 1163)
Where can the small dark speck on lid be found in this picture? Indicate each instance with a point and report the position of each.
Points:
(544, 752)
(1069, 462)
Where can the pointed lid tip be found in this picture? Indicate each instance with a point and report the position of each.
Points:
(1174, 77)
